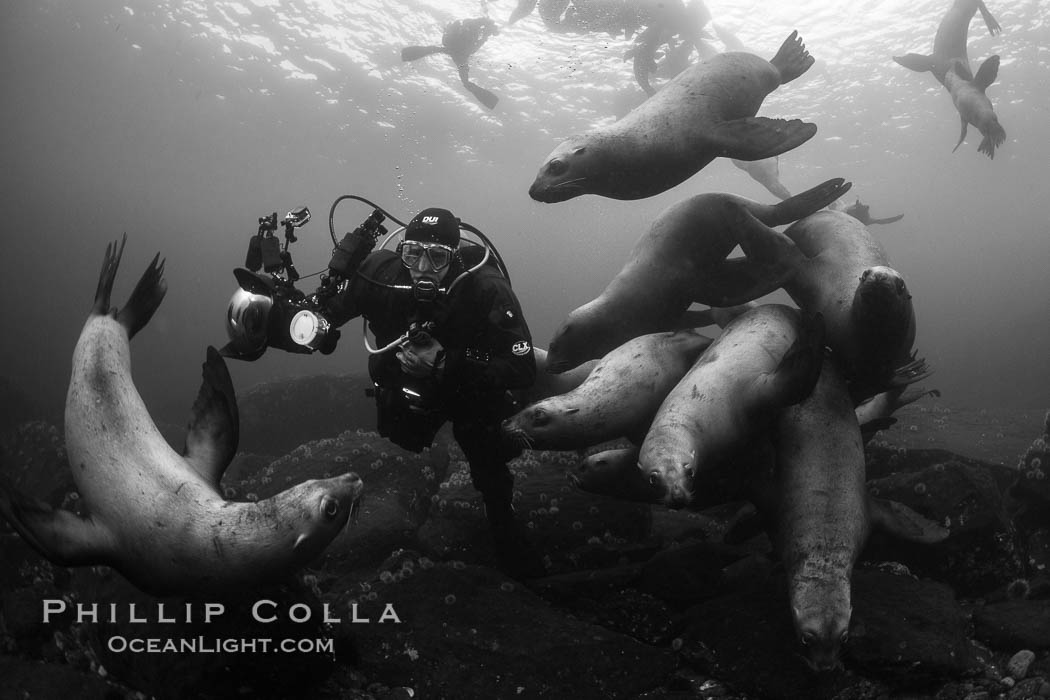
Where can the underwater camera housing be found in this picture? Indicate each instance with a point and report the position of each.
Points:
(267, 310)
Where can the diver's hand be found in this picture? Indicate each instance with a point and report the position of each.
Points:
(420, 360)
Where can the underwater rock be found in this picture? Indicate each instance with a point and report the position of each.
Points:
(981, 549)
(25, 678)
(33, 459)
(176, 673)
(907, 631)
(1014, 624)
(278, 416)
(467, 631)
(689, 574)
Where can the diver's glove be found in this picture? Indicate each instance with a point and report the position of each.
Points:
(422, 359)
(350, 252)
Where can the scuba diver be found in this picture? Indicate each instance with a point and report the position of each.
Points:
(461, 40)
(451, 345)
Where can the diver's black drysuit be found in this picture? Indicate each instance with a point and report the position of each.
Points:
(488, 352)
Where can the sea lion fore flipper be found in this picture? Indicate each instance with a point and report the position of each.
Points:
(734, 282)
(917, 62)
(805, 203)
(755, 138)
(792, 59)
(887, 220)
(60, 536)
(485, 97)
(987, 73)
(145, 298)
(901, 521)
(414, 53)
(869, 429)
(211, 441)
(989, 21)
(798, 371)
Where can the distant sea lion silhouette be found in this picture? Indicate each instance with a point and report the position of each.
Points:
(862, 213)
(950, 65)
(680, 260)
(154, 515)
(949, 44)
(973, 105)
(461, 40)
(707, 111)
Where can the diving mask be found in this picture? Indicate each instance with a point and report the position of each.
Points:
(438, 256)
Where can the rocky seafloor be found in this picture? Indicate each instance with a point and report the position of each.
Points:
(639, 602)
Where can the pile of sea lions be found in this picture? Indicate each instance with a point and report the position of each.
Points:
(776, 406)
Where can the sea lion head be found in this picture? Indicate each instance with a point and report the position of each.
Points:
(565, 173)
(882, 310)
(821, 611)
(318, 510)
(670, 483)
(614, 473)
(541, 424)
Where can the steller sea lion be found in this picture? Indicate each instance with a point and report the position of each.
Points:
(844, 275)
(764, 360)
(618, 398)
(950, 65)
(707, 111)
(615, 472)
(949, 44)
(681, 259)
(973, 105)
(154, 515)
(823, 514)
(461, 40)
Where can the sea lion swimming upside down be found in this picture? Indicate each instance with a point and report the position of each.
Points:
(155, 515)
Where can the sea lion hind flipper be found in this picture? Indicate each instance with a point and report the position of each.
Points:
(211, 440)
(995, 137)
(108, 273)
(792, 59)
(58, 535)
(145, 298)
(987, 73)
(755, 138)
(901, 521)
(805, 203)
(414, 53)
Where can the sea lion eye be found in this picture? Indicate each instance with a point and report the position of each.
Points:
(541, 417)
(329, 507)
(844, 637)
(557, 167)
